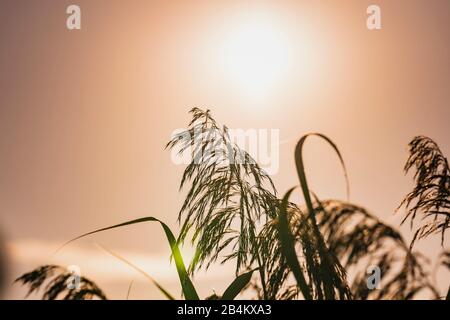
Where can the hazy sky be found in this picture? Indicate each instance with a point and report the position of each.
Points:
(85, 114)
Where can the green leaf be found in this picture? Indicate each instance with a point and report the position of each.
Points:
(237, 285)
(145, 274)
(329, 263)
(301, 168)
(188, 288)
(288, 246)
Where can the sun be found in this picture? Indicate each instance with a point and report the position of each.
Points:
(256, 56)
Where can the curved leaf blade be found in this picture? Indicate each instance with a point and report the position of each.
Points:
(330, 277)
(237, 285)
(301, 167)
(145, 274)
(188, 288)
(288, 245)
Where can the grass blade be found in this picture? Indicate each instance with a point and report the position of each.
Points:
(237, 285)
(330, 278)
(129, 290)
(145, 274)
(189, 291)
(288, 245)
(301, 167)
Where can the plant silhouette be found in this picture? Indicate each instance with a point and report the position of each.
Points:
(321, 249)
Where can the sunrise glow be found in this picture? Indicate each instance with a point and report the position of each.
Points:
(255, 56)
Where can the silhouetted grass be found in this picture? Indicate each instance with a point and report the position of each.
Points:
(189, 291)
(56, 279)
(232, 214)
(431, 194)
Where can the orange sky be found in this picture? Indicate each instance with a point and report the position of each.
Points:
(85, 115)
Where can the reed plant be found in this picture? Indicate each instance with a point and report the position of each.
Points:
(318, 249)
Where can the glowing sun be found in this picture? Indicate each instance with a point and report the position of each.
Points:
(255, 56)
